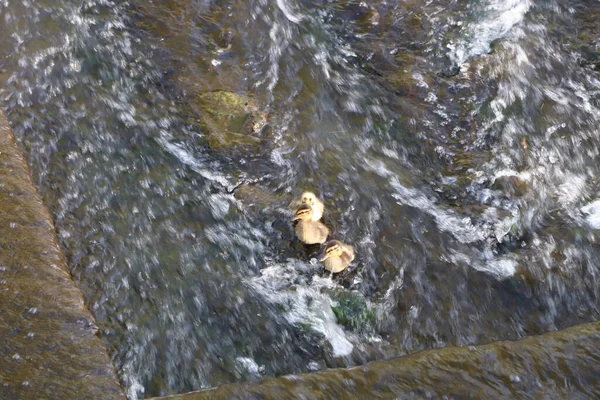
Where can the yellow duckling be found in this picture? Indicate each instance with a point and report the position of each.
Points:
(312, 200)
(337, 256)
(307, 229)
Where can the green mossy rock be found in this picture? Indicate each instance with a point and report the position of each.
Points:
(229, 119)
(352, 311)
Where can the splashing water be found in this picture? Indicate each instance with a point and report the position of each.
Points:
(471, 197)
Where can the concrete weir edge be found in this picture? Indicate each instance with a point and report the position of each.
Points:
(49, 342)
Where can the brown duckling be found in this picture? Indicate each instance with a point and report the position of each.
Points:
(307, 229)
(337, 256)
(312, 200)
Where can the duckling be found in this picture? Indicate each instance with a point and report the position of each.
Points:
(307, 229)
(337, 256)
(312, 200)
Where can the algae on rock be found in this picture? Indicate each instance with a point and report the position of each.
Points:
(229, 119)
(353, 311)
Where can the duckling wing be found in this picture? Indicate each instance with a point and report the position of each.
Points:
(318, 209)
(310, 232)
(323, 229)
(320, 232)
(320, 205)
(348, 253)
(335, 264)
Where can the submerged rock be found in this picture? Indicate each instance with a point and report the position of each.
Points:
(352, 311)
(254, 195)
(511, 185)
(229, 119)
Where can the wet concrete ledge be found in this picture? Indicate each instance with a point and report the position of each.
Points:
(557, 365)
(49, 346)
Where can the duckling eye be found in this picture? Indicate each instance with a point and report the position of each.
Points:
(307, 200)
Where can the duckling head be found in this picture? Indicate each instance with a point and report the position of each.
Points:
(309, 198)
(303, 213)
(333, 248)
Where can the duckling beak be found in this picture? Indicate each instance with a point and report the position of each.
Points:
(296, 218)
(324, 256)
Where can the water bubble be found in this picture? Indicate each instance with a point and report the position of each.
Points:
(313, 366)
(413, 312)
(249, 365)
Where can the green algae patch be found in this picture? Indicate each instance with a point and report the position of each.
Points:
(49, 346)
(561, 364)
(229, 119)
(352, 311)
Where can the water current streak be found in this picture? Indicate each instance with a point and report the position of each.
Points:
(455, 146)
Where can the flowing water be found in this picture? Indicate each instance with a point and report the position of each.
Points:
(455, 145)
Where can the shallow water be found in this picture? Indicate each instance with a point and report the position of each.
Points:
(455, 146)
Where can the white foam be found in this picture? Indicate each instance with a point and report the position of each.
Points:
(303, 303)
(571, 189)
(592, 211)
(501, 268)
(249, 365)
(187, 158)
(219, 204)
(461, 228)
(286, 9)
(498, 18)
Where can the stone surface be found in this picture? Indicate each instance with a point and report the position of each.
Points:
(558, 365)
(49, 346)
(230, 119)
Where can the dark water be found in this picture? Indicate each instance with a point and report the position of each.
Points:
(455, 145)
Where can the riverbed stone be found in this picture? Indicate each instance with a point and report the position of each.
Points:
(229, 119)
(511, 185)
(49, 344)
(352, 310)
(257, 196)
(588, 38)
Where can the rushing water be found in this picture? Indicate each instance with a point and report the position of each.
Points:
(455, 145)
